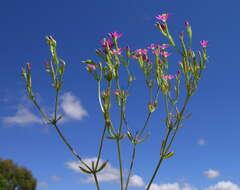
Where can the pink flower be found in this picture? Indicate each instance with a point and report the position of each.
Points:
(117, 51)
(107, 42)
(114, 35)
(141, 51)
(152, 47)
(169, 77)
(165, 54)
(163, 46)
(187, 24)
(134, 56)
(91, 66)
(163, 17)
(117, 92)
(204, 43)
(156, 52)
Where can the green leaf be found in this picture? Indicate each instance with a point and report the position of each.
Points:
(102, 166)
(168, 155)
(89, 62)
(85, 170)
(187, 116)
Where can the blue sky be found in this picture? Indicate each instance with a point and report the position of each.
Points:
(207, 155)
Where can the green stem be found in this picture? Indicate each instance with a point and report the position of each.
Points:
(99, 95)
(149, 114)
(159, 162)
(171, 141)
(118, 144)
(120, 163)
(178, 122)
(101, 145)
(96, 181)
(145, 124)
(155, 173)
(40, 110)
(56, 104)
(70, 147)
(131, 165)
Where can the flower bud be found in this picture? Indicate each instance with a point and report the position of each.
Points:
(189, 30)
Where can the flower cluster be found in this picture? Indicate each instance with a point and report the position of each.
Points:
(111, 82)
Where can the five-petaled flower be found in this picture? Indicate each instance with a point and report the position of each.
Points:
(152, 46)
(186, 23)
(156, 52)
(163, 46)
(117, 51)
(204, 43)
(163, 17)
(107, 43)
(115, 35)
(140, 53)
(169, 77)
(165, 54)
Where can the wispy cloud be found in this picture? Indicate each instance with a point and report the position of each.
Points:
(211, 174)
(109, 174)
(72, 107)
(55, 178)
(172, 186)
(136, 181)
(201, 142)
(22, 117)
(224, 185)
(42, 184)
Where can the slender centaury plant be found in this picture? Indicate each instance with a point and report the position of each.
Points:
(114, 78)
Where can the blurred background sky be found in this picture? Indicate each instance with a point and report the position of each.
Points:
(207, 147)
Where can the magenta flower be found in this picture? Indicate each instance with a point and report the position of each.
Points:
(152, 47)
(163, 46)
(204, 43)
(156, 52)
(115, 35)
(135, 56)
(169, 77)
(117, 51)
(117, 92)
(163, 17)
(187, 24)
(165, 54)
(91, 66)
(141, 51)
(107, 43)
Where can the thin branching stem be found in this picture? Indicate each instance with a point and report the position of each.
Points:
(131, 166)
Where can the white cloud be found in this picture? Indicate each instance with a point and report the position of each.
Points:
(224, 185)
(72, 107)
(172, 186)
(188, 187)
(136, 181)
(42, 184)
(201, 142)
(168, 186)
(211, 174)
(69, 104)
(108, 174)
(22, 117)
(55, 178)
